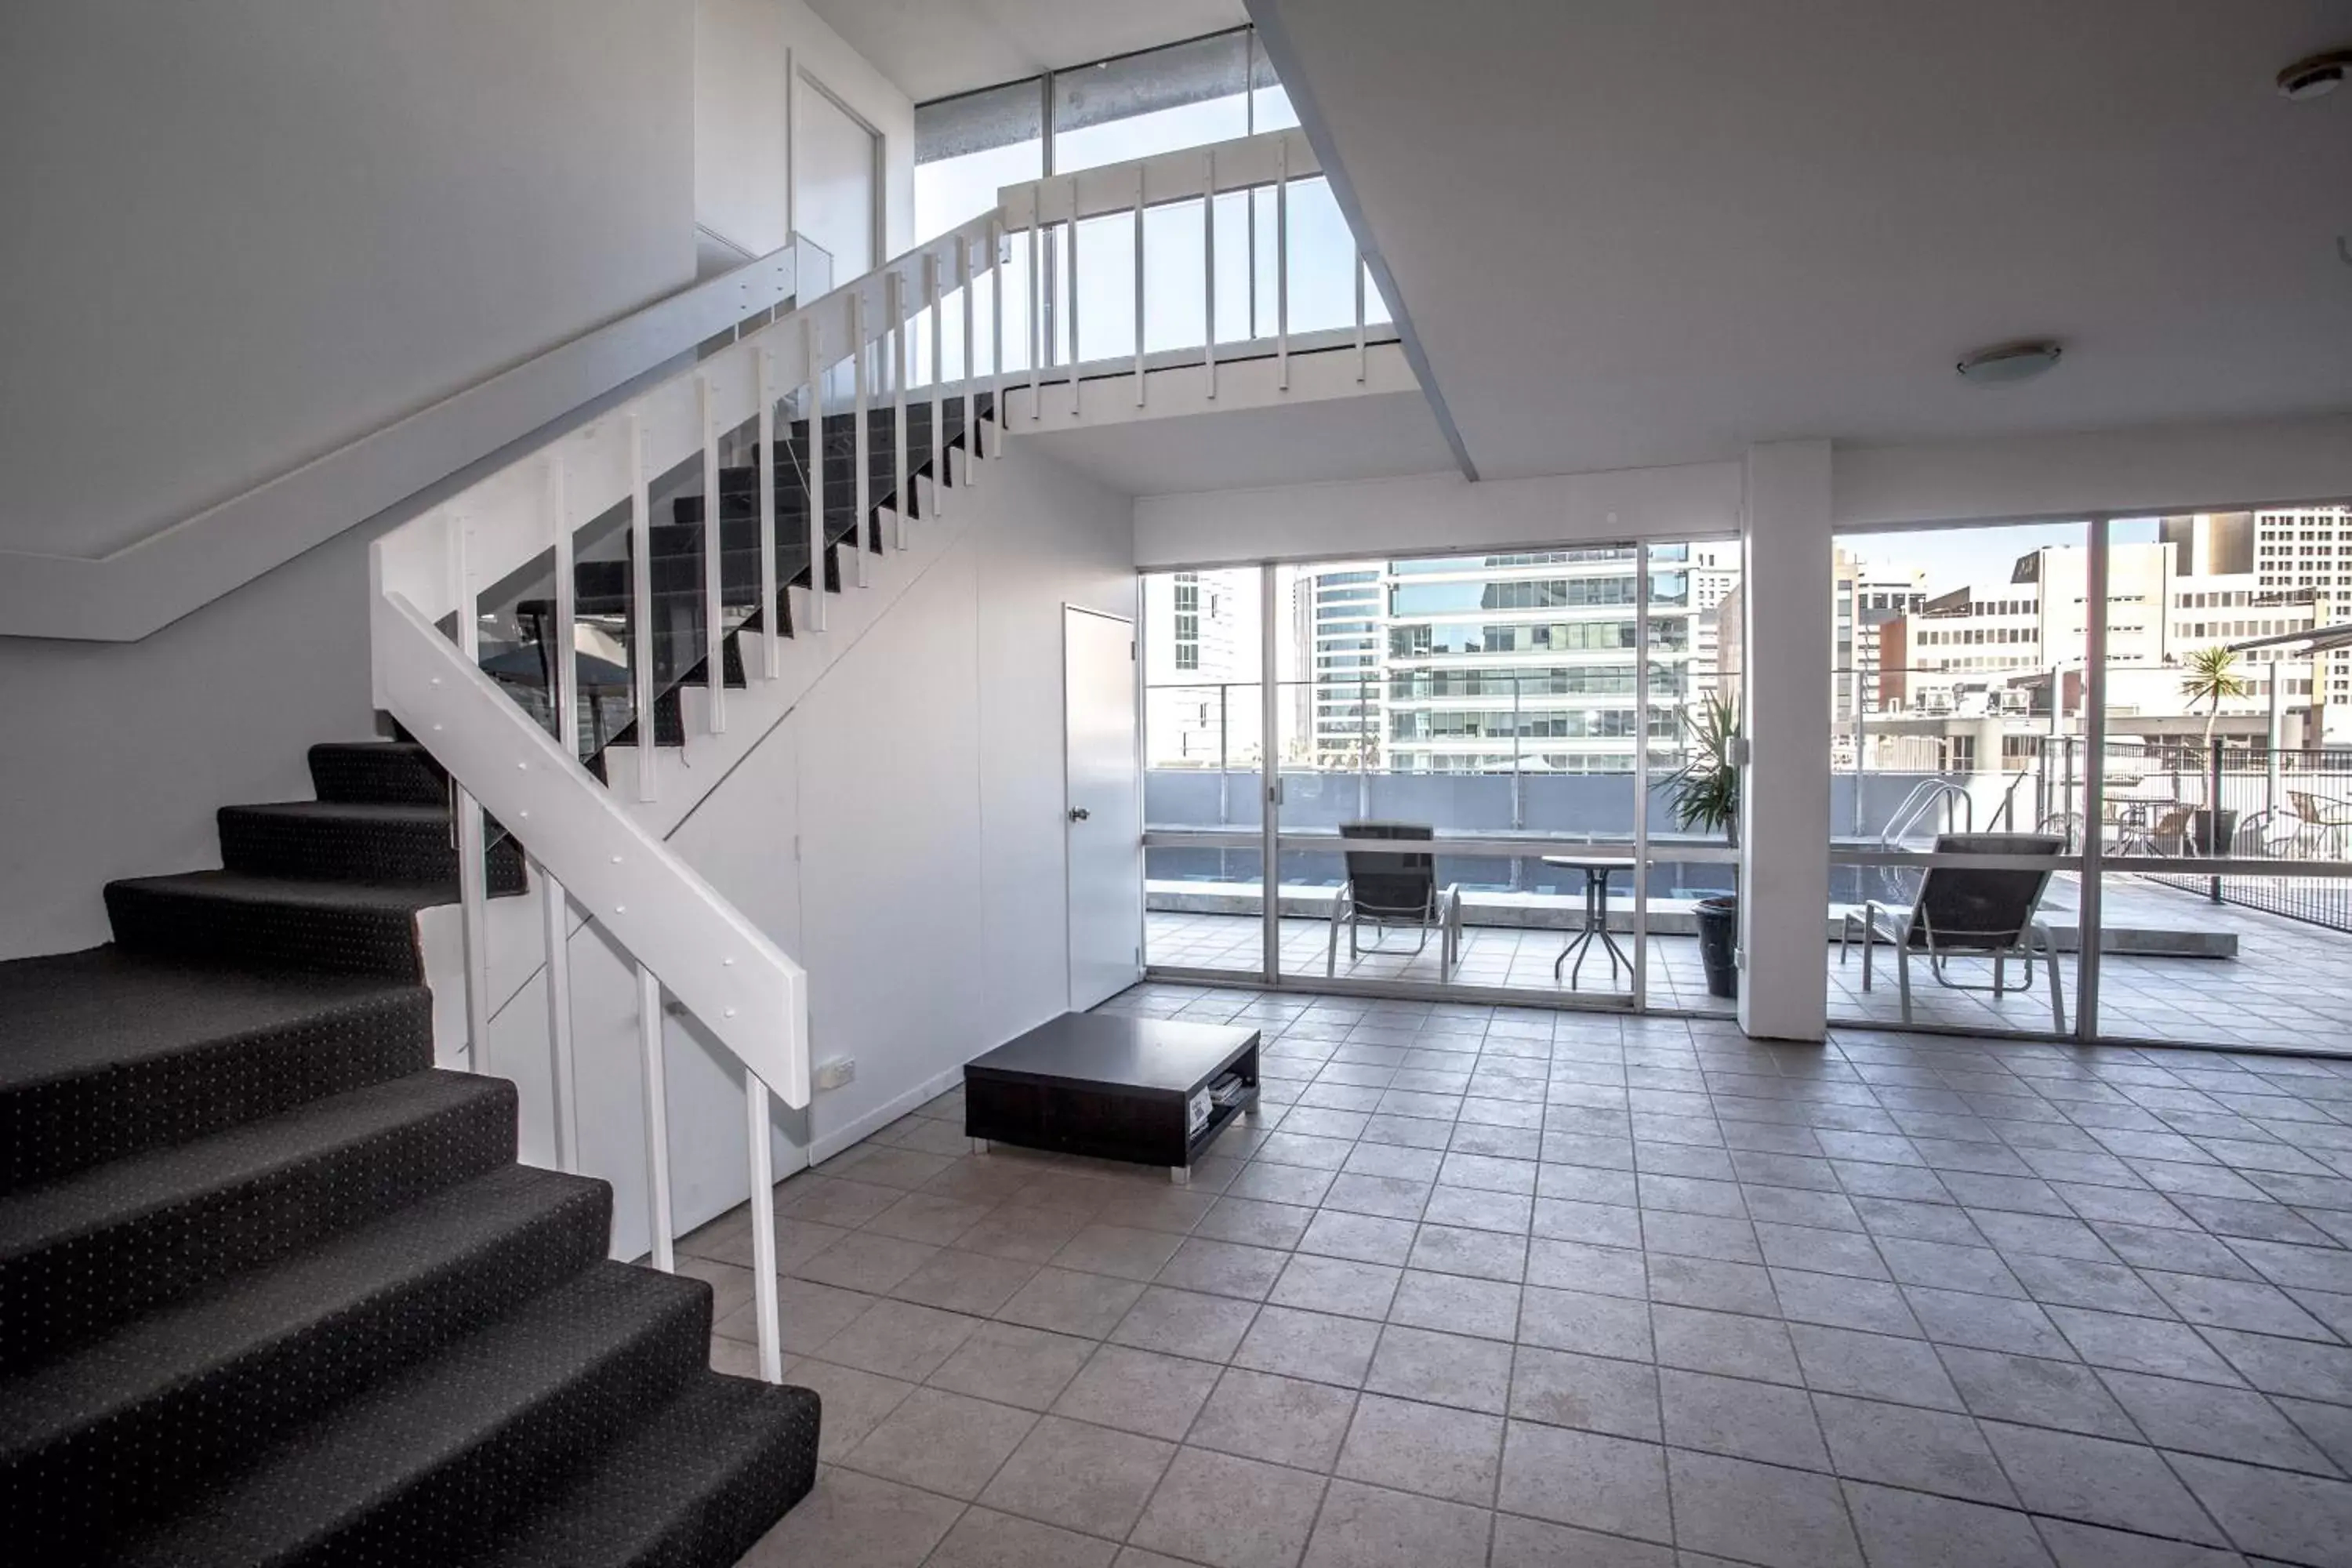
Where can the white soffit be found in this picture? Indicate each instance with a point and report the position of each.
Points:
(1375, 435)
(1632, 235)
(932, 49)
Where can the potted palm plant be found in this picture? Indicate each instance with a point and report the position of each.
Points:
(1707, 799)
(2209, 675)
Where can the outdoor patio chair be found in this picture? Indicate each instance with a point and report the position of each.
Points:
(1976, 911)
(1395, 888)
(2325, 822)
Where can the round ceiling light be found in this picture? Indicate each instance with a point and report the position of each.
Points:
(2006, 363)
(2316, 75)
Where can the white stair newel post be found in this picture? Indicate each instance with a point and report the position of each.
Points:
(859, 445)
(1209, 269)
(770, 593)
(970, 411)
(714, 609)
(641, 599)
(763, 1229)
(816, 475)
(939, 388)
(898, 406)
(473, 871)
(649, 1041)
(1138, 287)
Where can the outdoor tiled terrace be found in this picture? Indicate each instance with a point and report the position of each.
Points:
(2289, 985)
(1523, 1287)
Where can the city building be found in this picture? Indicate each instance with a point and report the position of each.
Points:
(1527, 661)
(1203, 676)
(1340, 639)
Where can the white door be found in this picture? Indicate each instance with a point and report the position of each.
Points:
(1102, 806)
(837, 190)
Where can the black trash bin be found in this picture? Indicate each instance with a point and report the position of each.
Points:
(1718, 941)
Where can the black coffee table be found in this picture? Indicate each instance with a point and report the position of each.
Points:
(1111, 1087)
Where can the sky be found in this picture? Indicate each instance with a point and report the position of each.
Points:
(1954, 556)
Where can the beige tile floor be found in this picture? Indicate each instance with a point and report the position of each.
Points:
(1521, 1286)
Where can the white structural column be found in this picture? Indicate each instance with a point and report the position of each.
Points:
(1784, 828)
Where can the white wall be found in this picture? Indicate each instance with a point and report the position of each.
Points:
(242, 233)
(746, 53)
(117, 755)
(900, 834)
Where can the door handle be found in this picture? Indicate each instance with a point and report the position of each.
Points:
(1079, 814)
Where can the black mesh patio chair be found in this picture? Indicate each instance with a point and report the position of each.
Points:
(1394, 887)
(1976, 911)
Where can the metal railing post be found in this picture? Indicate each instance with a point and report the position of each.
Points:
(555, 911)
(1076, 357)
(1036, 312)
(473, 881)
(996, 330)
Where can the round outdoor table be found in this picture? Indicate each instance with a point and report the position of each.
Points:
(1595, 869)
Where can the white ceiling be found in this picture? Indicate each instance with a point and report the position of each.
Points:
(935, 47)
(1362, 436)
(1644, 234)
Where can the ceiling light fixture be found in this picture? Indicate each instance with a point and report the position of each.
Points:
(2006, 363)
(2316, 75)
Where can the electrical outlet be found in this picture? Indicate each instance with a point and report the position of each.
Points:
(836, 1072)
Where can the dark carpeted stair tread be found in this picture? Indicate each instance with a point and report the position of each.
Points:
(291, 922)
(378, 771)
(427, 1465)
(123, 1426)
(699, 1483)
(104, 1053)
(96, 1248)
(314, 840)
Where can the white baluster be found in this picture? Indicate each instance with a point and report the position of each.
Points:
(939, 389)
(1282, 262)
(1362, 352)
(1138, 287)
(971, 442)
(996, 330)
(1036, 308)
(817, 596)
(641, 596)
(763, 1229)
(771, 594)
(1209, 267)
(649, 1042)
(714, 593)
(1071, 312)
(858, 443)
(899, 405)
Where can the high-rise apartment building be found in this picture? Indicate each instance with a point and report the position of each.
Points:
(1339, 617)
(2310, 548)
(1528, 661)
(1200, 678)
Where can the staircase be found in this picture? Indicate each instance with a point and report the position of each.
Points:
(275, 1291)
